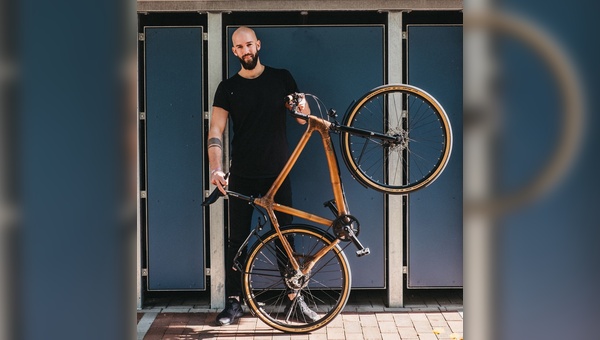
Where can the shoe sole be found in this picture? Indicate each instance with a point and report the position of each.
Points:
(238, 315)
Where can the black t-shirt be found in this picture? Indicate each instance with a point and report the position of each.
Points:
(257, 111)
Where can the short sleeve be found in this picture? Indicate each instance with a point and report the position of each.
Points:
(222, 98)
(290, 83)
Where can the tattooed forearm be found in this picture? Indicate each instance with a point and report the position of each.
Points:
(215, 142)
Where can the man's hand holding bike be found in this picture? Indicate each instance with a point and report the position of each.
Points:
(220, 179)
(296, 102)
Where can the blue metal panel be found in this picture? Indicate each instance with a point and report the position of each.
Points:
(319, 58)
(435, 213)
(174, 132)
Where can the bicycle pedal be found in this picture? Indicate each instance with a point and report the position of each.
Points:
(363, 252)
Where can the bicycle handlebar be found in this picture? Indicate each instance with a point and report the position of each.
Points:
(298, 114)
(216, 194)
(213, 197)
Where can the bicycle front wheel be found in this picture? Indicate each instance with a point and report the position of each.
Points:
(269, 281)
(418, 139)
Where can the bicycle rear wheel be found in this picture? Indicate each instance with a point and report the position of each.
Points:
(268, 279)
(417, 154)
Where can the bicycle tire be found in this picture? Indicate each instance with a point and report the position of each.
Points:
(423, 142)
(325, 289)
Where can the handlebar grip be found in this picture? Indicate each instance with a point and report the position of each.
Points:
(213, 197)
(298, 114)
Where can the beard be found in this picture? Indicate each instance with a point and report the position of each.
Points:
(251, 64)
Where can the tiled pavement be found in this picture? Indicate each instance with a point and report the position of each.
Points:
(426, 315)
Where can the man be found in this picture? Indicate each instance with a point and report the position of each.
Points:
(254, 100)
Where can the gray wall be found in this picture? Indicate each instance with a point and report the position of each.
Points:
(175, 154)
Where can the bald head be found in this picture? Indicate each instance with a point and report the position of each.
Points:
(243, 35)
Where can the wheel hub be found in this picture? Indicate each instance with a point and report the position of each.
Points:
(401, 141)
(297, 281)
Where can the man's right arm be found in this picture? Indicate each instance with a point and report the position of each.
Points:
(214, 144)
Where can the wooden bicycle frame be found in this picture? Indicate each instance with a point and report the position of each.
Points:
(267, 201)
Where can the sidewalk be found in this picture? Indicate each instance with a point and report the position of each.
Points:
(426, 315)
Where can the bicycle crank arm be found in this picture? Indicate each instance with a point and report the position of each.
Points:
(362, 250)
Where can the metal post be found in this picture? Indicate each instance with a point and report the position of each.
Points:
(217, 213)
(395, 223)
(479, 240)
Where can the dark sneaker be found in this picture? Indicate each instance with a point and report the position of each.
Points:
(233, 310)
(300, 310)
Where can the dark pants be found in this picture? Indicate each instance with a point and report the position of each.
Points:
(240, 221)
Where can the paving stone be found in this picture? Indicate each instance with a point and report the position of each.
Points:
(418, 316)
(408, 332)
(427, 336)
(371, 333)
(387, 327)
(335, 333)
(403, 320)
(456, 336)
(336, 322)
(456, 326)
(422, 326)
(452, 316)
(352, 327)
(384, 316)
(354, 317)
(354, 336)
(390, 336)
(368, 320)
(442, 332)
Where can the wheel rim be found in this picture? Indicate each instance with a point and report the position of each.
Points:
(325, 289)
(423, 146)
